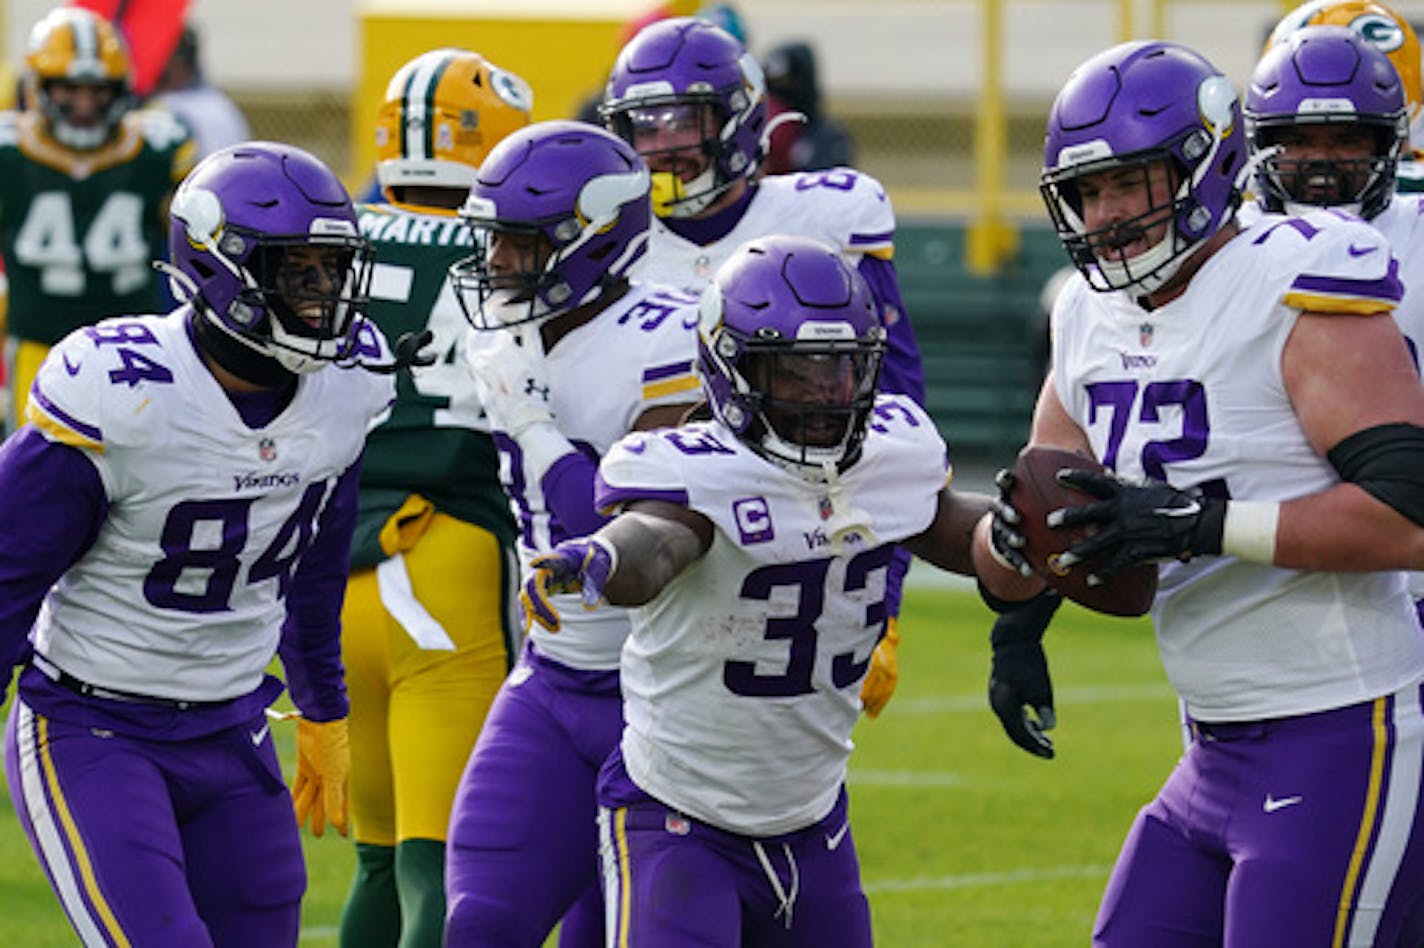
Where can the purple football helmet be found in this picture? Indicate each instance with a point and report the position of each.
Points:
(689, 65)
(265, 245)
(1326, 75)
(1131, 107)
(571, 195)
(790, 344)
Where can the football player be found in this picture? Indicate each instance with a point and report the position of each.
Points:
(692, 100)
(1389, 32)
(177, 511)
(1266, 426)
(84, 186)
(569, 355)
(1326, 122)
(756, 546)
(427, 630)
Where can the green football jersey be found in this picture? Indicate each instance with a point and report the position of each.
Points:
(79, 231)
(436, 441)
(1409, 179)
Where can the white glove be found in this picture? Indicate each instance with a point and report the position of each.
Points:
(508, 367)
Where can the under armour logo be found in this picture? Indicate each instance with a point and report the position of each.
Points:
(533, 388)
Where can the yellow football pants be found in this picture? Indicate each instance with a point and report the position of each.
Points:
(415, 712)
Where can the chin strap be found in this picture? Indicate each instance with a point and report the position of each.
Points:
(408, 354)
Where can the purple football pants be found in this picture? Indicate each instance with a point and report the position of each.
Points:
(523, 843)
(159, 843)
(1298, 831)
(674, 882)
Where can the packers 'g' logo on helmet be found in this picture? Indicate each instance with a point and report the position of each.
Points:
(73, 49)
(444, 111)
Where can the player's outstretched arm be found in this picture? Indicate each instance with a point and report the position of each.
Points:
(626, 563)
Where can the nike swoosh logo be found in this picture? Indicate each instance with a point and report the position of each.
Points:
(260, 735)
(71, 367)
(1361, 251)
(835, 840)
(1272, 804)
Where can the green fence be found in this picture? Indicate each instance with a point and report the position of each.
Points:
(981, 337)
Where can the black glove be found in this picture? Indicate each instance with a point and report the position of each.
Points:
(1005, 540)
(1138, 522)
(1020, 691)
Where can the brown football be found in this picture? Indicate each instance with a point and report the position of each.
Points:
(1036, 492)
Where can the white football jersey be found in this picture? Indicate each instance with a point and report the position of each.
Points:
(843, 208)
(1193, 393)
(1402, 223)
(182, 594)
(741, 680)
(635, 355)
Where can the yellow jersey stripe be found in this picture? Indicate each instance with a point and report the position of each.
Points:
(57, 430)
(672, 386)
(1350, 305)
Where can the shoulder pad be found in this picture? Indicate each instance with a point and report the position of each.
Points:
(1337, 264)
(648, 465)
(96, 387)
(852, 206)
(161, 129)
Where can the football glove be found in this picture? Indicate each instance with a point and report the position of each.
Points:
(884, 672)
(580, 566)
(512, 379)
(1138, 522)
(1020, 690)
(323, 770)
(1005, 540)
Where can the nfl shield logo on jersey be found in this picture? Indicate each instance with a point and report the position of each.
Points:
(267, 449)
(677, 824)
(1144, 334)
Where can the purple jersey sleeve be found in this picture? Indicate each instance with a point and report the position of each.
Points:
(902, 374)
(311, 635)
(568, 490)
(52, 504)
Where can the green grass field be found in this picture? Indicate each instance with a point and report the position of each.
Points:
(964, 839)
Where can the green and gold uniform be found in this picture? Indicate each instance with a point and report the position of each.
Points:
(79, 230)
(428, 632)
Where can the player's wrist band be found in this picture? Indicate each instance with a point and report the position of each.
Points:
(1249, 532)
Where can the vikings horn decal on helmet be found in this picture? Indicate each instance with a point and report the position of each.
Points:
(680, 65)
(1134, 106)
(1326, 75)
(1385, 29)
(790, 347)
(74, 45)
(265, 244)
(444, 111)
(575, 199)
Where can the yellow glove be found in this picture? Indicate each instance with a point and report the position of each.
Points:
(884, 671)
(323, 767)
